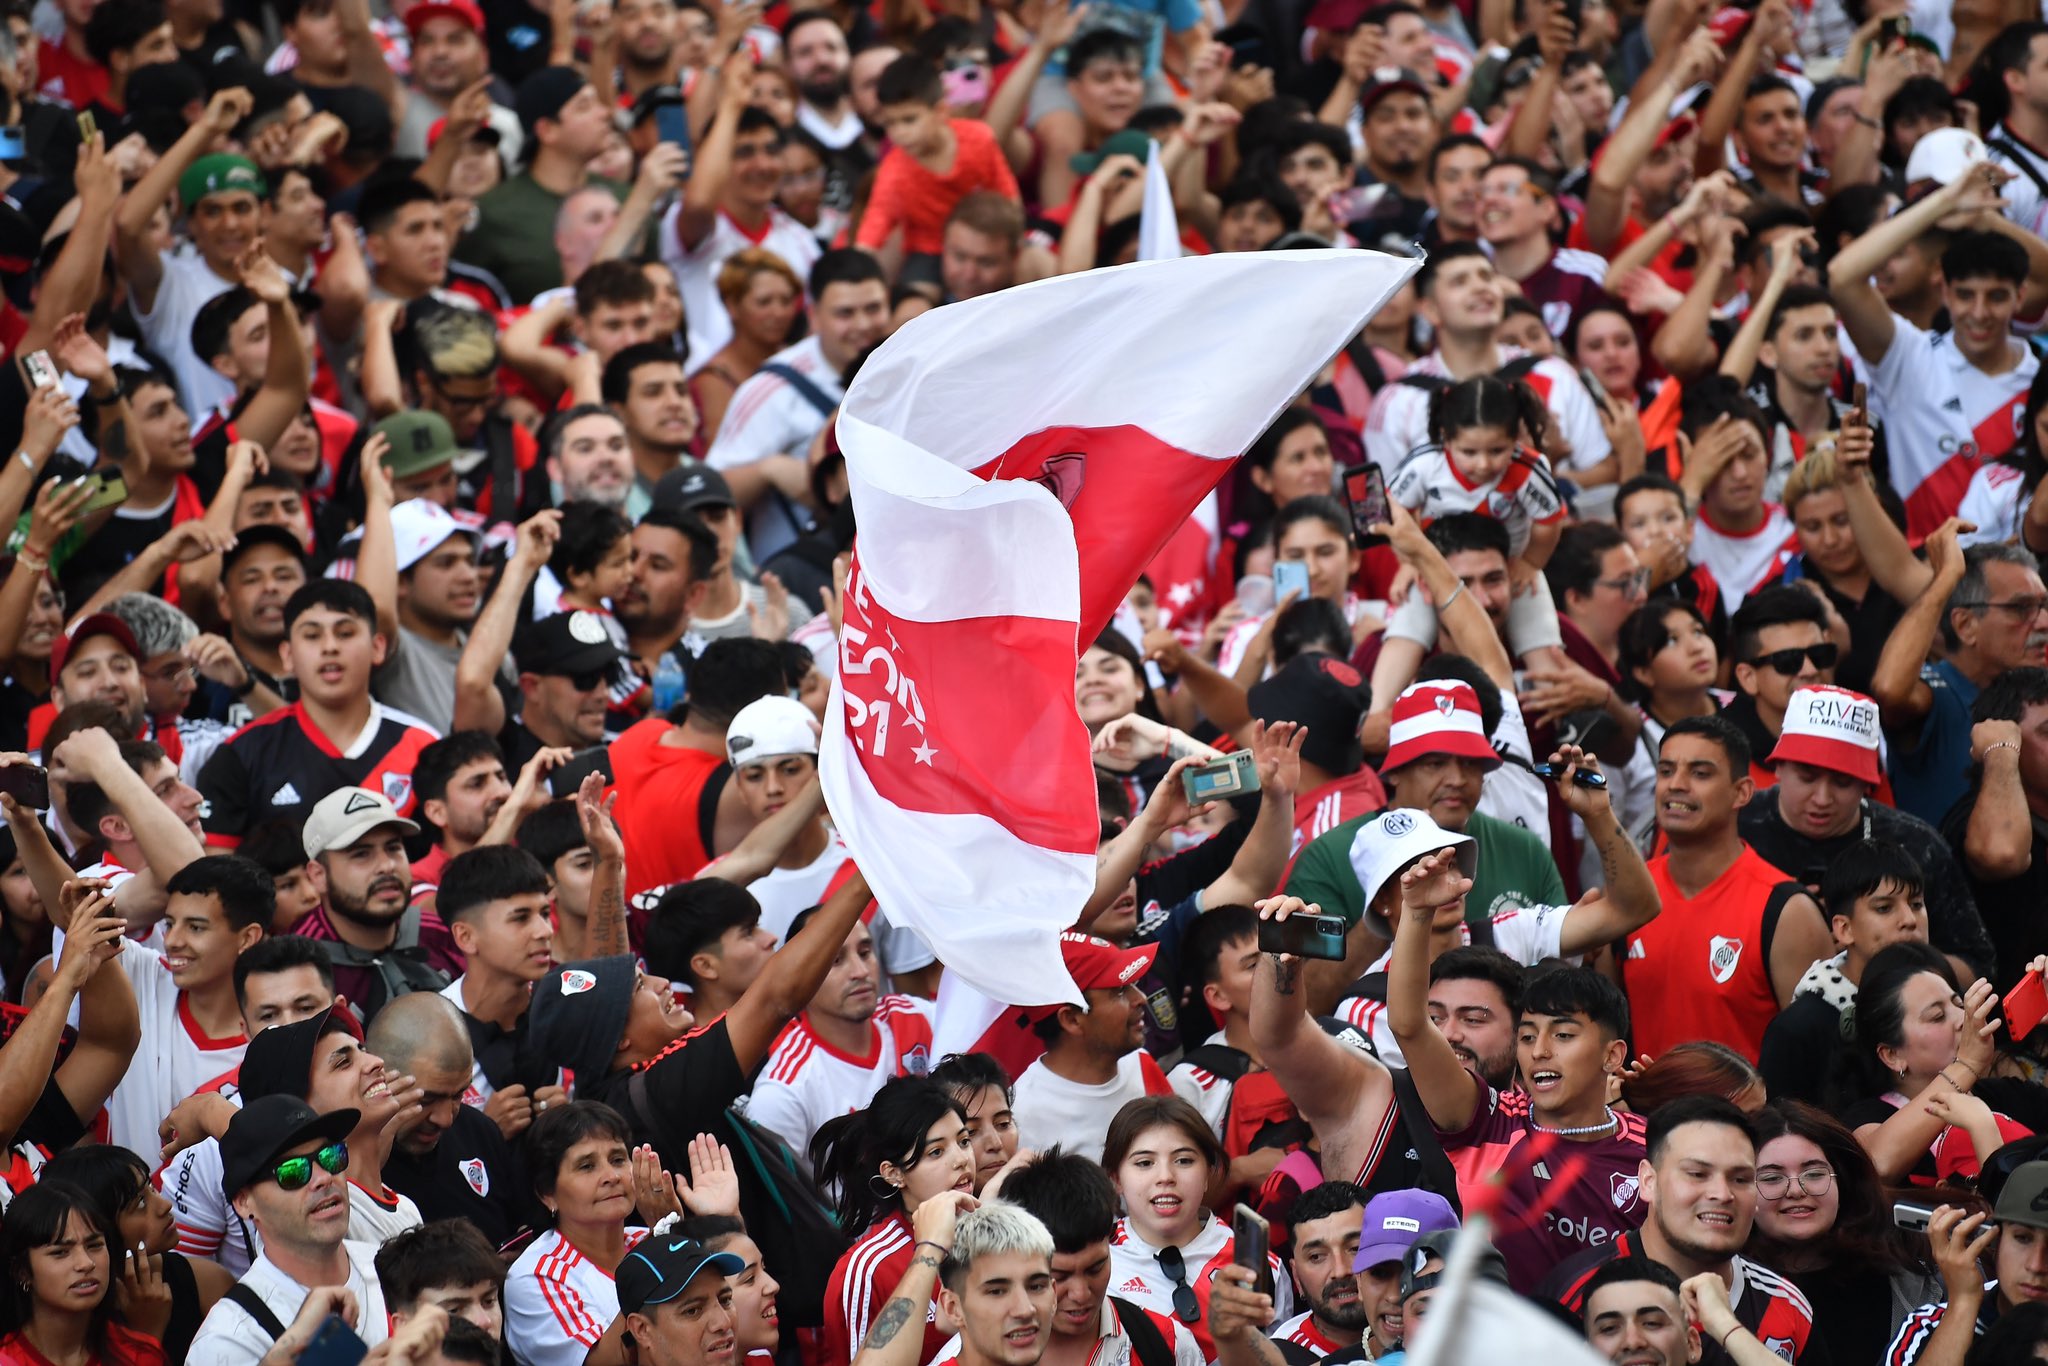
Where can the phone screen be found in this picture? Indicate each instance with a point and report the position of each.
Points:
(1365, 489)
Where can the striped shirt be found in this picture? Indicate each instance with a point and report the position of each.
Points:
(862, 1283)
(558, 1302)
(1911, 1339)
(808, 1081)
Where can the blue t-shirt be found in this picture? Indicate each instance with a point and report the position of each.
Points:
(1930, 776)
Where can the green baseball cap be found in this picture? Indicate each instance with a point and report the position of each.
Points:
(419, 442)
(1129, 142)
(218, 174)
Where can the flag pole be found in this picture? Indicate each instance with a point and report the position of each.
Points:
(1453, 1287)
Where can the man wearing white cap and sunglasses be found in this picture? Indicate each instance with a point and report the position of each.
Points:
(1827, 763)
(1395, 841)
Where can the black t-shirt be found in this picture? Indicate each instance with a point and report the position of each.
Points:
(507, 1056)
(689, 1085)
(1852, 1314)
(278, 765)
(1800, 1044)
(2011, 908)
(472, 1174)
(1871, 623)
(1953, 925)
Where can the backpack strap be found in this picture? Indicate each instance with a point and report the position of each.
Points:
(253, 1305)
(807, 388)
(1521, 367)
(2021, 162)
(1359, 352)
(408, 928)
(1435, 1170)
(504, 469)
(1219, 1059)
(1148, 1344)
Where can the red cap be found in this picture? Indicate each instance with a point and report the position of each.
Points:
(98, 624)
(1676, 129)
(1436, 717)
(1098, 965)
(484, 133)
(1831, 728)
(465, 10)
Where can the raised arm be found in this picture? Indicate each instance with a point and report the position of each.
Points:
(661, 170)
(73, 280)
(29, 1057)
(1628, 899)
(793, 974)
(1529, 130)
(166, 842)
(1261, 861)
(366, 64)
(1726, 103)
(1684, 345)
(478, 705)
(1463, 621)
(1630, 145)
(1005, 113)
(1895, 683)
(1449, 1093)
(1999, 844)
(527, 347)
(1119, 860)
(1897, 570)
(287, 375)
(1740, 361)
(1334, 1087)
(699, 209)
(377, 553)
(109, 1025)
(139, 264)
(605, 930)
(1867, 316)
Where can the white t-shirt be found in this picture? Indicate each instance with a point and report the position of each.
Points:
(1397, 425)
(173, 1060)
(1743, 562)
(229, 1337)
(1512, 793)
(558, 1303)
(1943, 418)
(1527, 934)
(187, 284)
(807, 1081)
(376, 1218)
(1050, 1109)
(767, 416)
(696, 270)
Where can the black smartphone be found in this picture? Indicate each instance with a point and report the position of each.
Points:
(564, 781)
(1911, 1217)
(1251, 1244)
(27, 784)
(1572, 11)
(672, 124)
(1304, 936)
(334, 1344)
(1585, 777)
(1365, 489)
(1897, 29)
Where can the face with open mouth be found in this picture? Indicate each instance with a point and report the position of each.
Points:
(1702, 1189)
(1005, 1307)
(1162, 1177)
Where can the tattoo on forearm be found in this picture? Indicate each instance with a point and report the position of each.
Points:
(888, 1324)
(1609, 865)
(1284, 977)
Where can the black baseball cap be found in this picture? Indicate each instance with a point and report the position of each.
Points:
(663, 1266)
(566, 643)
(262, 533)
(279, 1060)
(691, 487)
(2023, 1199)
(542, 95)
(266, 1129)
(1324, 694)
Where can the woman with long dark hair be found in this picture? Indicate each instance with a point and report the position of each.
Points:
(118, 1181)
(880, 1164)
(986, 1093)
(1824, 1222)
(59, 1306)
(1699, 1068)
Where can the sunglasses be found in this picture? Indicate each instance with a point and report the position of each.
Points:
(295, 1172)
(1186, 1307)
(1787, 662)
(590, 680)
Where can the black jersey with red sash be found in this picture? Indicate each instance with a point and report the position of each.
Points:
(278, 765)
(1765, 1303)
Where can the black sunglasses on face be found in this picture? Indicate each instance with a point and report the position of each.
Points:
(1787, 662)
(1186, 1307)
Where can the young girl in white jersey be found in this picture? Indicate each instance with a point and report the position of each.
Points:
(1483, 458)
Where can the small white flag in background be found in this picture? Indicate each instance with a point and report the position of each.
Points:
(1477, 1322)
(1158, 224)
(1014, 462)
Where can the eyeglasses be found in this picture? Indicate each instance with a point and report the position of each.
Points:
(1628, 585)
(182, 673)
(1186, 1307)
(2026, 609)
(1787, 662)
(1813, 1180)
(295, 1172)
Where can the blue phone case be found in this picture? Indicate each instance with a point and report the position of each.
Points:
(1290, 575)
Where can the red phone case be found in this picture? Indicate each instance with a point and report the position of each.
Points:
(2026, 1005)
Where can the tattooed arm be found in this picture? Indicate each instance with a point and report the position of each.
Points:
(1338, 1091)
(1237, 1317)
(896, 1338)
(605, 930)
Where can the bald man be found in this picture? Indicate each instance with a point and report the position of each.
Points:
(451, 1161)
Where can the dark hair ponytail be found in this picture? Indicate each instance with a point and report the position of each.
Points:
(1487, 401)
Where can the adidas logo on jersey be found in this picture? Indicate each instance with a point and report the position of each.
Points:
(1134, 1286)
(286, 796)
(1954, 405)
(1540, 1171)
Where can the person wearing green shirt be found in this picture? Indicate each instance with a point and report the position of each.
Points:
(514, 233)
(1437, 761)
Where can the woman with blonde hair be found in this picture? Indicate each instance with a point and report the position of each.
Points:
(763, 296)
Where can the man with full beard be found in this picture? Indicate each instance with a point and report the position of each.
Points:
(821, 63)
(1348, 1257)
(1698, 1183)
(355, 840)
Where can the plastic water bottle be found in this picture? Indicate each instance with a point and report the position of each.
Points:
(668, 683)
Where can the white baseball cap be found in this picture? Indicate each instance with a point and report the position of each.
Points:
(1944, 154)
(1385, 845)
(419, 528)
(770, 727)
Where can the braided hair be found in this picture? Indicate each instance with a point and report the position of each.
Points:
(1487, 401)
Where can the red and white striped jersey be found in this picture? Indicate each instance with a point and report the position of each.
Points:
(807, 1081)
(1303, 1331)
(1203, 1089)
(1743, 562)
(1135, 1275)
(862, 1283)
(558, 1302)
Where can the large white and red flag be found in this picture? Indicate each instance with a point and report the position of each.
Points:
(1015, 461)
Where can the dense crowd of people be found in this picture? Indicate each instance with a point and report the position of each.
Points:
(421, 927)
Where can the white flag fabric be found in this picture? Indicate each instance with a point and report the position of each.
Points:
(1473, 1321)
(1015, 461)
(1158, 223)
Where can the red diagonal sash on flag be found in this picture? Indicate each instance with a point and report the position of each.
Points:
(1014, 463)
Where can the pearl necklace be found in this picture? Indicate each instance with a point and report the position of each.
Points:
(1581, 1131)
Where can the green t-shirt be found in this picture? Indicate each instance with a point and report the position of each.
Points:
(1515, 869)
(514, 236)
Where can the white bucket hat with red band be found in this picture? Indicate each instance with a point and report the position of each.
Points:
(1437, 717)
(1831, 728)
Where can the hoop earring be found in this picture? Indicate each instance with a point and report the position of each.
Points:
(889, 1190)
